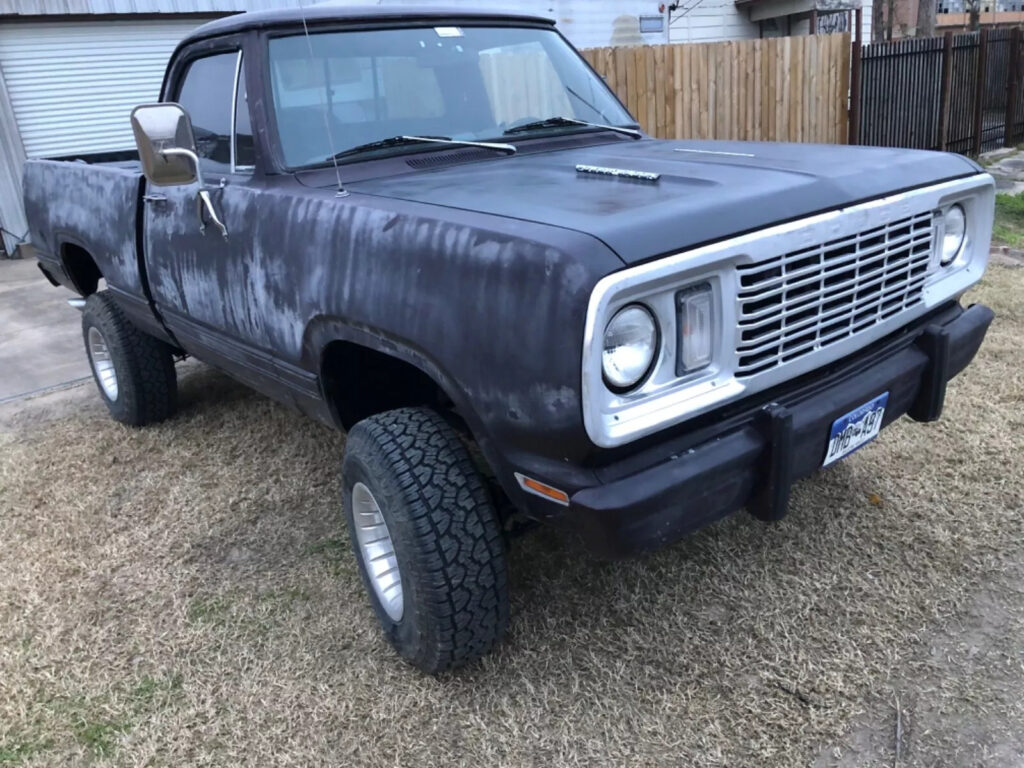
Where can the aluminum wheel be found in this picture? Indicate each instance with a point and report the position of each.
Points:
(378, 551)
(102, 364)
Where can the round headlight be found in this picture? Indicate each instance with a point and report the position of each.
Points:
(630, 342)
(956, 228)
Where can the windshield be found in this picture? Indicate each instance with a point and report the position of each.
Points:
(339, 90)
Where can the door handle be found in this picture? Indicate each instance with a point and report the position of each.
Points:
(155, 198)
(205, 205)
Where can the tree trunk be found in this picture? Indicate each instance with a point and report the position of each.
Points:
(877, 21)
(926, 18)
(974, 10)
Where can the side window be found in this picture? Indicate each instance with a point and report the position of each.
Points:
(206, 93)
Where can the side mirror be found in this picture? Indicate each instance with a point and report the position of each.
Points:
(166, 144)
(167, 149)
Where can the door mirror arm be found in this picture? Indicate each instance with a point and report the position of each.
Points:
(167, 151)
(204, 203)
(187, 153)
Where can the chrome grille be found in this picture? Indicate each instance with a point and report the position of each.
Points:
(793, 304)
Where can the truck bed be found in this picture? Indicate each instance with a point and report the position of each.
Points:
(89, 201)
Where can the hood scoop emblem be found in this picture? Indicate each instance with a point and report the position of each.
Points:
(624, 173)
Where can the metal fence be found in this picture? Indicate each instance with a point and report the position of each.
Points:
(960, 92)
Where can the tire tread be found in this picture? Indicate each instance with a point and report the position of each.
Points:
(461, 547)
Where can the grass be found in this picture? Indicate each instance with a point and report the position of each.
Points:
(17, 748)
(92, 725)
(1009, 222)
(100, 737)
(184, 595)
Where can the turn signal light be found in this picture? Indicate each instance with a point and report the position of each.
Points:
(537, 488)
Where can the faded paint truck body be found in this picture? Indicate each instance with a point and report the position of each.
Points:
(478, 272)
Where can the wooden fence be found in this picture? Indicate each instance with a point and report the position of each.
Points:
(776, 89)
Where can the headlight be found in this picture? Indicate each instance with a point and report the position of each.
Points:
(955, 229)
(630, 342)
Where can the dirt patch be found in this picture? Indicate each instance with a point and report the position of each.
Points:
(184, 595)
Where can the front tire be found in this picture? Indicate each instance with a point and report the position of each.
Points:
(427, 538)
(133, 371)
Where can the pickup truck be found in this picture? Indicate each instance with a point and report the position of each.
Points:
(440, 231)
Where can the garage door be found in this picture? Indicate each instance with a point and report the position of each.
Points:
(73, 85)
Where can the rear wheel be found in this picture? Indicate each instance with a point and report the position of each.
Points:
(133, 371)
(426, 537)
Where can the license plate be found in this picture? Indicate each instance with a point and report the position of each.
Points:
(856, 428)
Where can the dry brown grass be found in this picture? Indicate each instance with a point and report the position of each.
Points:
(184, 595)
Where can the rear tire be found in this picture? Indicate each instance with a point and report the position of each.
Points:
(427, 538)
(133, 371)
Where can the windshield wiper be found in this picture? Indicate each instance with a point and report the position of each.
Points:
(551, 122)
(397, 141)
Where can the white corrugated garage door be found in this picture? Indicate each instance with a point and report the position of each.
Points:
(73, 85)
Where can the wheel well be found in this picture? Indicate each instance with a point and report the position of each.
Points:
(359, 382)
(81, 268)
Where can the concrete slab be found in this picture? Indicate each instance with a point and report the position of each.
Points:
(40, 335)
(1007, 166)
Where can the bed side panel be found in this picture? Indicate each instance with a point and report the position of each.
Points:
(92, 206)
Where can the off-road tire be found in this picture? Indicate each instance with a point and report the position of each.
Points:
(147, 386)
(446, 534)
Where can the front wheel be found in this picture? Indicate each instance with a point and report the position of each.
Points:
(427, 538)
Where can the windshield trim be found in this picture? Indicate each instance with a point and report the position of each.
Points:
(276, 150)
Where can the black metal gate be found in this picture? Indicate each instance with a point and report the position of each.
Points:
(960, 92)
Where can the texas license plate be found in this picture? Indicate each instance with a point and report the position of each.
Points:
(856, 428)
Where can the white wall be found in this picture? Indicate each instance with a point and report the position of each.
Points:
(587, 23)
(12, 159)
(701, 21)
(865, 34)
(591, 23)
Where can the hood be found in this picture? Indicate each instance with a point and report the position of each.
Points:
(707, 190)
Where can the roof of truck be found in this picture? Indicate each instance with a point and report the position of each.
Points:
(326, 13)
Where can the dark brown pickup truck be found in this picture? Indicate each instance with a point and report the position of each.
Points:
(440, 231)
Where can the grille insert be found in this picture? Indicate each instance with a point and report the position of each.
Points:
(791, 305)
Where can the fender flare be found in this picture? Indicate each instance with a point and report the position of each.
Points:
(324, 330)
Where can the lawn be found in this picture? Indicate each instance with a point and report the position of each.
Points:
(184, 595)
(1009, 223)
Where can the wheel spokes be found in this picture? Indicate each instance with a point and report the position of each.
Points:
(377, 551)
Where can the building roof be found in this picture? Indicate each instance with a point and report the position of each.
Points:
(326, 13)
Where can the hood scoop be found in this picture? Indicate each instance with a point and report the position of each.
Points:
(622, 173)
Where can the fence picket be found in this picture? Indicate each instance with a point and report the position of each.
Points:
(775, 89)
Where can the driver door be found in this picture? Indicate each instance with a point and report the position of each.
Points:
(203, 279)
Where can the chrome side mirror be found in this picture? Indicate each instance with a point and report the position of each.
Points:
(166, 144)
(167, 149)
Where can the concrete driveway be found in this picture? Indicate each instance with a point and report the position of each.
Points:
(40, 334)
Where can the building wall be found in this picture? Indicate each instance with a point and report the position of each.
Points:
(12, 159)
(587, 23)
(701, 21)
